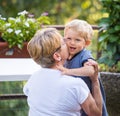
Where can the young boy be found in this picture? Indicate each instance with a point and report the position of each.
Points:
(78, 35)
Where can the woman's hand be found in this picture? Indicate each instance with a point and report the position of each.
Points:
(96, 69)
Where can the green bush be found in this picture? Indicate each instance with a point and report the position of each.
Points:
(109, 35)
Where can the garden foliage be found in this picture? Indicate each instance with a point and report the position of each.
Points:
(109, 35)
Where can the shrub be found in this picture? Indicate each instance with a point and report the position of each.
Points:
(109, 38)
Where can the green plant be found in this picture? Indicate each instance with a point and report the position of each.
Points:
(2, 22)
(109, 39)
(22, 28)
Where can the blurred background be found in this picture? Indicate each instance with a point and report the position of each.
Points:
(60, 12)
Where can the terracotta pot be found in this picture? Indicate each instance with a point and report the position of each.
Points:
(15, 52)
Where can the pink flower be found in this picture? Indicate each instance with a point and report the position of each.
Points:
(44, 14)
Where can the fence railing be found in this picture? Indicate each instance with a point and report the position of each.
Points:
(12, 96)
(61, 27)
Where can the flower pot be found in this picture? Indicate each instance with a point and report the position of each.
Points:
(14, 52)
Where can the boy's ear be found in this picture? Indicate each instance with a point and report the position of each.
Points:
(57, 56)
(88, 42)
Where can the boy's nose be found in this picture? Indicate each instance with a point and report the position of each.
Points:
(72, 41)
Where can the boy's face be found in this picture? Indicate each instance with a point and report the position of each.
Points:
(74, 42)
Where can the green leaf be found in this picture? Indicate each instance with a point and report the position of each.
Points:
(113, 38)
(117, 28)
(103, 37)
(104, 22)
(111, 30)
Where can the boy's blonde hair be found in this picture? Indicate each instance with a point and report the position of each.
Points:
(43, 45)
(82, 27)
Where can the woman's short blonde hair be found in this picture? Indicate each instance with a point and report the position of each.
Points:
(82, 27)
(42, 46)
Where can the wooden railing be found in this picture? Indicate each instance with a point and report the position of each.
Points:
(61, 27)
(12, 96)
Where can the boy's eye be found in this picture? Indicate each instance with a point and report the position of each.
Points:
(68, 38)
(77, 40)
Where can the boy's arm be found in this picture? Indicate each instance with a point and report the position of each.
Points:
(86, 70)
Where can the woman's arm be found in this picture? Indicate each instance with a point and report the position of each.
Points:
(93, 104)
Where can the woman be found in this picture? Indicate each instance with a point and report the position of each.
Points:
(49, 93)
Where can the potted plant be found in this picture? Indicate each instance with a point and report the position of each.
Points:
(16, 32)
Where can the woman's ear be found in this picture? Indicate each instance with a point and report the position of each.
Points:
(57, 56)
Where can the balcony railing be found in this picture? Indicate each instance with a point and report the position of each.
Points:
(61, 27)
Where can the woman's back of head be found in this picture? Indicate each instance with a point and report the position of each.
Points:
(42, 46)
